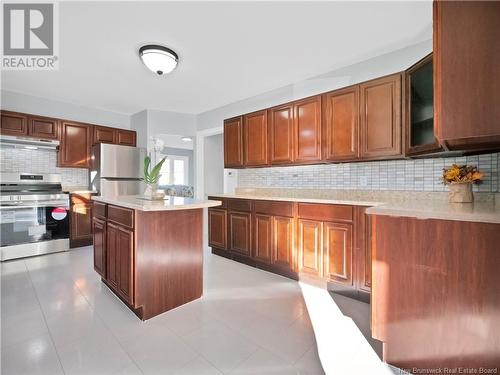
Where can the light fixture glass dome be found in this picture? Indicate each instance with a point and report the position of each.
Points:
(158, 59)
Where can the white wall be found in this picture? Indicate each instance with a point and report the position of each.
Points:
(139, 123)
(213, 159)
(14, 101)
(376, 67)
(164, 122)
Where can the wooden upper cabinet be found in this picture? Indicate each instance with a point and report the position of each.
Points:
(307, 130)
(280, 131)
(337, 256)
(76, 139)
(380, 112)
(233, 143)
(43, 127)
(466, 74)
(340, 124)
(255, 139)
(13, 123)
(103, 134)
(125, 137)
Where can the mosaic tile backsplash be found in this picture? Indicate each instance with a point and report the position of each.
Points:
(405, 175)
(40, 161)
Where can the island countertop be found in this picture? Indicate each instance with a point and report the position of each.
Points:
(137, 202)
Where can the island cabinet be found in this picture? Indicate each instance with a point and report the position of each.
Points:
(325, 244)
(437, 297)
(380, 118)
(233, 143)
(152, 260)
(466, 78)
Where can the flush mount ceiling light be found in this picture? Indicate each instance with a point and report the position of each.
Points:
(186, 139)
(159, 59)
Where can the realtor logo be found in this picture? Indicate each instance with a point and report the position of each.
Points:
(29, 32)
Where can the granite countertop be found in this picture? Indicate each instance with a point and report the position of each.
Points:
(353, 201)
(407, 204)
(136, 202)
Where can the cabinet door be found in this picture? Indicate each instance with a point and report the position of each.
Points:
(217, 228)
(233, 143)
(281, 132)
(307, 130)
(43, 127)
(99, 233)
(310, 247)
(80, 220)
(466, 78)
(75, 145)
(255, 138)
(263, 238)
(103, 134)
(337, 256)
(13, 123)
(239, 232)
(283, 238)
(380, 109)
(126, 264)
(125, 137)
(112, 255)
(340, 124)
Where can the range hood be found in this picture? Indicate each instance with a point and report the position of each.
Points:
(27, 142)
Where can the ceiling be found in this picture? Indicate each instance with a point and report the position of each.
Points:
(228, 50)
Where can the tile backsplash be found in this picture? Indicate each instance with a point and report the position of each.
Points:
(40, 161)
(407, 175)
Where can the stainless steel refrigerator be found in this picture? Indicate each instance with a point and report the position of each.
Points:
(117, 170)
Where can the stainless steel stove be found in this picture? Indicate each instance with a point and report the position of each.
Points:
(34, 215)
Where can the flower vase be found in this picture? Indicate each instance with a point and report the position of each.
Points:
(461, 192)
(153, 193)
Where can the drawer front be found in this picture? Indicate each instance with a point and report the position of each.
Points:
(240, 205)
(274, 208)
(224, 201)
(121, 215)
(325, 212)
(99, 210)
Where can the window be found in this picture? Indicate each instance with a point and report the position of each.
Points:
(175, 170)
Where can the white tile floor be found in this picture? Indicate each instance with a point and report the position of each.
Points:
(58, 318)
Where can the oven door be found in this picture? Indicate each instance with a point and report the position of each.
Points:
(29, 224)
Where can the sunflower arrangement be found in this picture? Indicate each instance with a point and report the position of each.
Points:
(461, 174)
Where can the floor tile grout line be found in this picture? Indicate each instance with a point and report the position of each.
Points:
(111, 331)
(45, 319)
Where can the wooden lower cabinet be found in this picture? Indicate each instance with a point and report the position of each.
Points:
(80, 233)
(310, 247)
(217, 224)
(99, 235)
(119, 246)
(337, 252)
(240, 227)
(319, 242)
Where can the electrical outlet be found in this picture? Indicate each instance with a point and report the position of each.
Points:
(363, 180)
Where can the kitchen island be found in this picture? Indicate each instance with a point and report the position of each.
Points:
(150, 253)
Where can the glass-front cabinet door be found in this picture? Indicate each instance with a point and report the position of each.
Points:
(419, 119)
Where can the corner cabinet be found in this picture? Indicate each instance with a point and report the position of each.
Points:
(233, 143)
(76, 142)
(380, 118)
